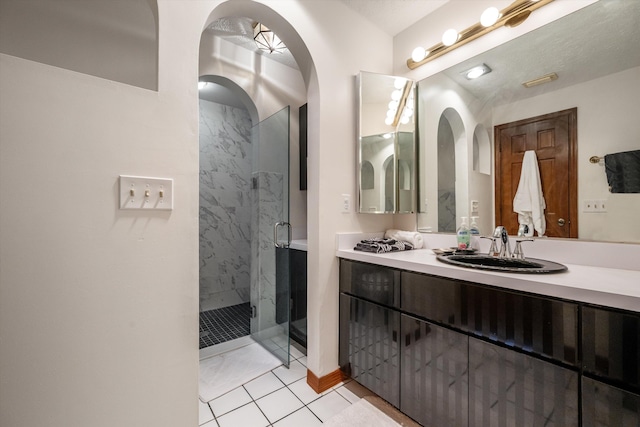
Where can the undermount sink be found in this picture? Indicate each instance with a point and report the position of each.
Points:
(504, 265)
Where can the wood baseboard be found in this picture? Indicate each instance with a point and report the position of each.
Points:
(326, 382)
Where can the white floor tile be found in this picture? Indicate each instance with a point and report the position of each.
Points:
(279, 404)
(347, 394)
(212, 423)
(263, 385)
(246, 416)
(328, 405)
(303, 417)
(204, 413)
(304, 392)
(295, 353)
(295, 371)
(230, 401)
(303, 360)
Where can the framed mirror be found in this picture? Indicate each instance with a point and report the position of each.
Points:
(587, 60)
(386, 144)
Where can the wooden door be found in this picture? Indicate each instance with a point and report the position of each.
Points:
(554, 139)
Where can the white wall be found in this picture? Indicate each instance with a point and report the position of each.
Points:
(607, 123)
(98, 315)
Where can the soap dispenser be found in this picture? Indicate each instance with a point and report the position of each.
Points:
(463, 235)
(474, 233)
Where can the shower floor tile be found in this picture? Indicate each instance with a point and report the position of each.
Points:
(224, 324)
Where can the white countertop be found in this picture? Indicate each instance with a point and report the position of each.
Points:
(299, 244)
(609, 287)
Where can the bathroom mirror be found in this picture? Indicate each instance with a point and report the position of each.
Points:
(386, 144)
(594, 53)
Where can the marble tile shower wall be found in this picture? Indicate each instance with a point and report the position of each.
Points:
(225, 205)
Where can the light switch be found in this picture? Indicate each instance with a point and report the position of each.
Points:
(141, 192)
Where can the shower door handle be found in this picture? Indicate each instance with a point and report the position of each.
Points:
(275, 234)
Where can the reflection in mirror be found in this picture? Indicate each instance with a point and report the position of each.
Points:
(386, 144)
(594, 53)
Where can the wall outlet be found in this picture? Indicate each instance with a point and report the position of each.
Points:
(594, 206)
(475, 205)
(346, 203)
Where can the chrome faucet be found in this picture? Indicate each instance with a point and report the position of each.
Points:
(501, 234)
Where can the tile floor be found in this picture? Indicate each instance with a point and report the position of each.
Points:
(279, 398)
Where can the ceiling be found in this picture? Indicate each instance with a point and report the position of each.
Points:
(392, 16)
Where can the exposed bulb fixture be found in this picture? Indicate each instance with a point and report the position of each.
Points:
(399, 83)
(492, 18)
(477, 71)
(419, 54)
(489, 17)
(450, 37)
(267, 40)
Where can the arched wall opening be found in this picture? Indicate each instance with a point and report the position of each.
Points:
(263, 87)
(452, 173)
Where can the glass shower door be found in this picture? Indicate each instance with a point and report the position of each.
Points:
(271, 235)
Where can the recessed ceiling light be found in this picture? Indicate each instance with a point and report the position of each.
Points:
(477, 71)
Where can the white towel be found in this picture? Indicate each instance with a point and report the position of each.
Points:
(529, 202)
(412, 237)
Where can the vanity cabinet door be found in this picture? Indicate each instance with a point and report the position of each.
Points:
(434, 374)
(604, 405)
(508, 388)
(369, 346)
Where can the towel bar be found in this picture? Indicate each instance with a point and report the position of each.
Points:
(595, 159)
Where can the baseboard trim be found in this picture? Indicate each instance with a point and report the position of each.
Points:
(326, 382)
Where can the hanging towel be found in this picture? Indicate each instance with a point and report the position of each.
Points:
(529, 202)
(623, 171)
(412, 237)
(382, 245)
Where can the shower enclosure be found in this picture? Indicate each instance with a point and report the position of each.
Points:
(244, 193)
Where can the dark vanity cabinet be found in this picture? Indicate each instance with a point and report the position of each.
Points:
(454, 353)
(370, 327)
(611, 366)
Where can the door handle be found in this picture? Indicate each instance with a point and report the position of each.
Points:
(561, 222)
(275, 234)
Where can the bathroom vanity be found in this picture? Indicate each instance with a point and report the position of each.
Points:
(453, 347)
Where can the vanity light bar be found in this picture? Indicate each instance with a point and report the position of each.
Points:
(511, 16)
(403, 102)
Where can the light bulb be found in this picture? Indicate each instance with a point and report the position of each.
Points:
(489, 17)
(419, 54)
(450, 37)
(396, 95)
(399, 83)
(393, 105)
(404, 120)
(391, 113)
(388, 121)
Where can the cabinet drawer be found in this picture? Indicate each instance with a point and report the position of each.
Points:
(611, 344)
(371, 282)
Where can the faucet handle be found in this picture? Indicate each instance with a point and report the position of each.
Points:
(518, 252)
(493, 249)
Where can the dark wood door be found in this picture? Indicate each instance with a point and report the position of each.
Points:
(553, 138)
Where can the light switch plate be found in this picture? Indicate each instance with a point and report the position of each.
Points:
(142, 192)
